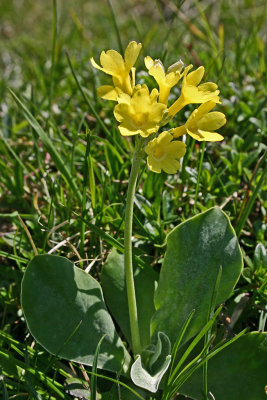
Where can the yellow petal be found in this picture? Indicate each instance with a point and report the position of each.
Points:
(170, 166)
(156, 112)
(207, 87)
(195, 77)
(205, 136)
(212, 121)
(138, 87)
(124, 98)
(153, 165)
(154, 95)
(176, 148)
(141, 100)
(121, 111)
(192, 94)
(186, 70)
(149, 62)
(112, 63)
(149, 148)
(127, 130)
(145, 132)
(131, 53)
(172, 78)
(108, 92)
(164, 138)
(157, 73)
(206, 107)
(94, 64)
(211, 136)
(198, 113)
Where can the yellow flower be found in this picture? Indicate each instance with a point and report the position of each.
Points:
(165, 81)
(163, 153)
(139, 114)
(112, 63)
(192, 92)
(202, 123)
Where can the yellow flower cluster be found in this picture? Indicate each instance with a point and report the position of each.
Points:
(140, 112)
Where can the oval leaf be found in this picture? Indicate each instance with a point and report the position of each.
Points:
(236, 373)
(66, 314)
(195, 251)
(114, 288)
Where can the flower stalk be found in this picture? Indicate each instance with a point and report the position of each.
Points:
(128, 259)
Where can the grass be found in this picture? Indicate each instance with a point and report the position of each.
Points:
(64, 166)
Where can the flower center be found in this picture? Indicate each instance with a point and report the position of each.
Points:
(140, 119)
(158, 153)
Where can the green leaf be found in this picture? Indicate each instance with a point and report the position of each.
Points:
(66, 313)
(195, 251)
(114, 288)
(148, 374)
(236, 373)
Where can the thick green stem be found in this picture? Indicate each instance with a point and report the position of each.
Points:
(128, 259)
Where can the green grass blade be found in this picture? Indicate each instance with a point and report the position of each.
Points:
(31, 389)
(4, 389)
(181, 377)
(92, 181)
(93, 385)
(60, 164)
(215, 351)
(178, 341)
(85, 180)
(34, 134)
(192, 345)
(114, 20)
(219, 347)
(53, 54)
(118, 383)
(56, 387)
(13, 257)
(23, 166)
(54, 357)
(199, 174)
(208, 334)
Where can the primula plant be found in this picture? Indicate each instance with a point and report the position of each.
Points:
(153, 334)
